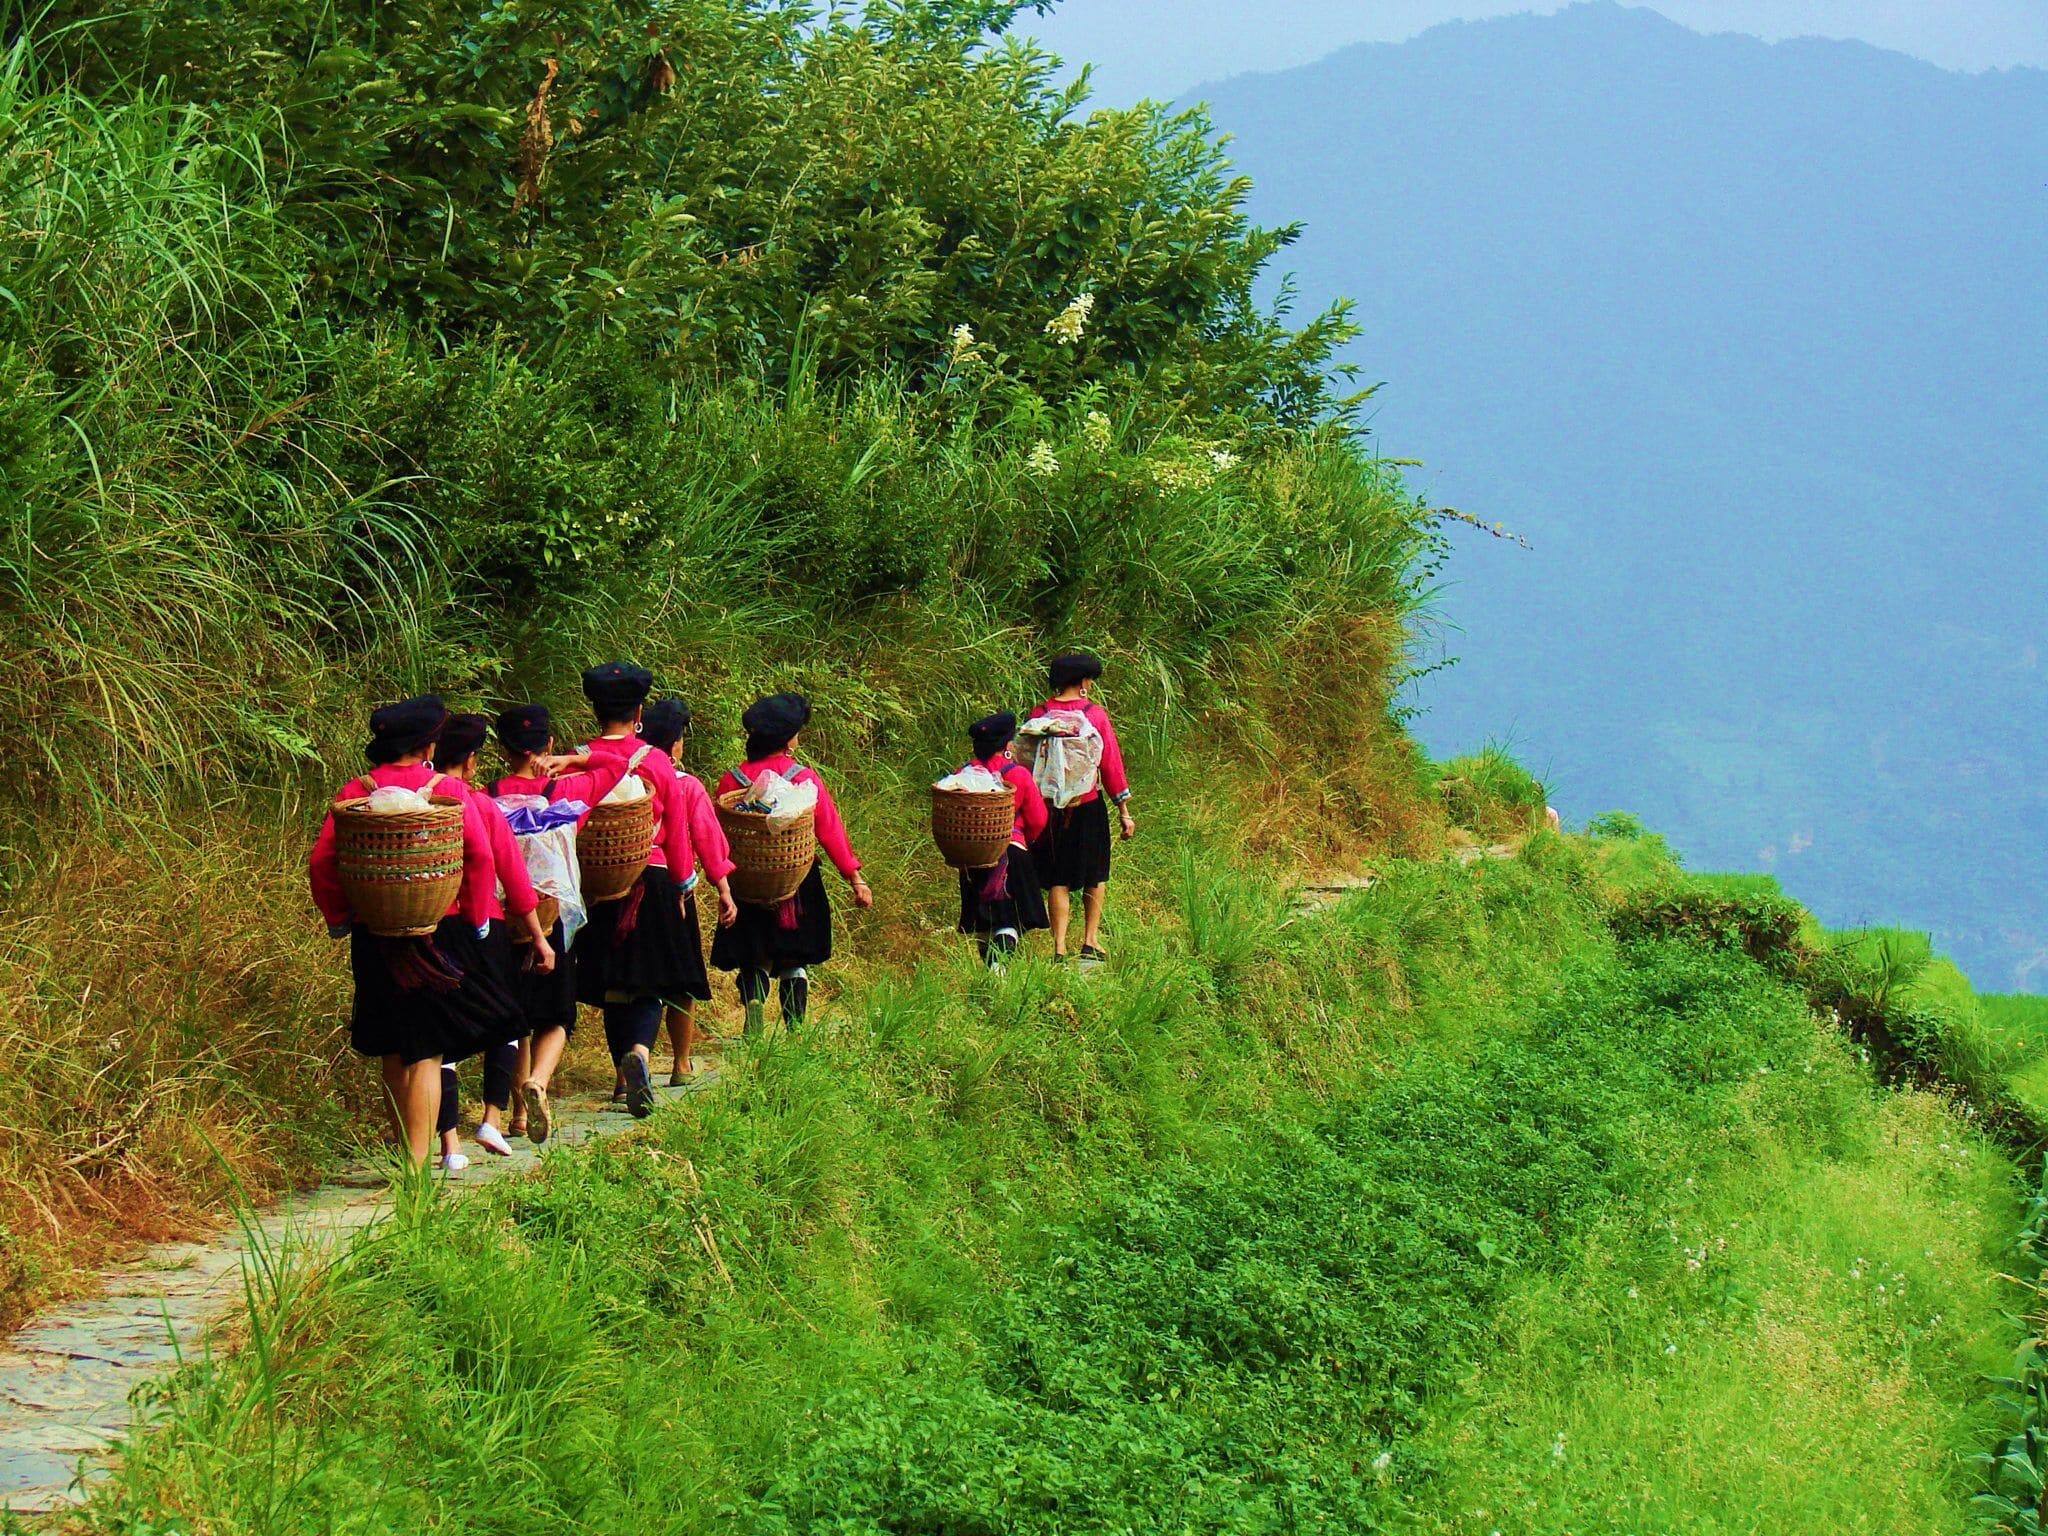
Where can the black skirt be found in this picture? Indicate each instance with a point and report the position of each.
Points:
(662, 956)
(1073, 850)
(759, 942)
(1021, 908)
(547, 1001)
(449, 996)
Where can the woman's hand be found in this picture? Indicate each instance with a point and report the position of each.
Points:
(565, 762)
(1130, 827)
(543, 956)
(862, 896)
(728, 909)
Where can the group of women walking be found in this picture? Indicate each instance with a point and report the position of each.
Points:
(491, 982)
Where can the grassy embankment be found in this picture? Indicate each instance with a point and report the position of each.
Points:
(1444, 1208)
(1290, 1223)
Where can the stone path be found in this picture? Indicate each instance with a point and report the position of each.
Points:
(66, 1377)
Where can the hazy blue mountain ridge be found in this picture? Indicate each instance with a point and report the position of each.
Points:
(1749, 339)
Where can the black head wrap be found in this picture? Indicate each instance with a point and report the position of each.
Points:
(771, 722)
(1065, 671)
(616, 689)
(663, 722)
(404, 727)
(460, 739)
(525, 729)
(991, 733)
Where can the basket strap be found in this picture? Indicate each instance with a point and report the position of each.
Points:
(432, 784)
(741, 774)
(639, 756)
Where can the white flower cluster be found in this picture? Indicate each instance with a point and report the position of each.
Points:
(1043, 462)
(1096, 432)
(1067, 327)
(963, 341)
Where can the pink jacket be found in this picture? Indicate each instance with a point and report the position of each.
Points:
(1032, 815)
(831, 830)
(1113, 779)
(672, 847)
(477, 900)
(713, 851)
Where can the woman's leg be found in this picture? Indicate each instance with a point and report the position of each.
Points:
(682, 1040)
(522, 1070)
(629, 1029)
(414, 1091)
(548, 1045)
(1058, 905)
(446, 1113)
(794, 987)
(753, 985)
(1091, 916)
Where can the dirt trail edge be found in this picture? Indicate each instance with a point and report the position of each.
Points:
(66, 1377)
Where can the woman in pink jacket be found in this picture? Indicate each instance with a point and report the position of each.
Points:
(418, 1000)
(662, 725)
(785, 941)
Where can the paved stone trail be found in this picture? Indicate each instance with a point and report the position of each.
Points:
(66, 1377)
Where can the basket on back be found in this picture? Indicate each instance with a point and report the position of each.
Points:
(972, 827)
(612, 847)
(400, 870)
(769, 862)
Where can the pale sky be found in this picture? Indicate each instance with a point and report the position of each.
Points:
(1164, 48)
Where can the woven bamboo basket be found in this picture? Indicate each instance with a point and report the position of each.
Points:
(547, 912)
(400, 870)
(769, 863)
(972, 827)
(612, 847)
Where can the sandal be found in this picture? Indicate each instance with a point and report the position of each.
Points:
(538, 1123)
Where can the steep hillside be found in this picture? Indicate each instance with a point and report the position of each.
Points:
(1745, 338)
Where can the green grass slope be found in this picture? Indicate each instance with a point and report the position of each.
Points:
(1442, 1209)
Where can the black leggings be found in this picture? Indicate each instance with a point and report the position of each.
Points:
(501, 1065)
(629, 1024)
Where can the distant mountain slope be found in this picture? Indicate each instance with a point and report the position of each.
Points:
(1751, 341)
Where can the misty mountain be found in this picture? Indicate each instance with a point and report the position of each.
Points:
(1750, 341)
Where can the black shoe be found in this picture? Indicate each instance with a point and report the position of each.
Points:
(1091, 955)
(639, 1090)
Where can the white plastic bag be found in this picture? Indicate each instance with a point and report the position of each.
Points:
(782, 800)
(628, 790)
(973, 780)
(551, 865)
(389, 800)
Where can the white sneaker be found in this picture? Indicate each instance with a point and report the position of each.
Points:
(492, 1140)
(452, 1162)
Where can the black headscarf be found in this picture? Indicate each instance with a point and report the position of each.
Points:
(525, 729)
(991, 733)
(616, 689)
(397, 730)
(663, 722)
(772, 722)
(1065, 671)
(460, 739)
